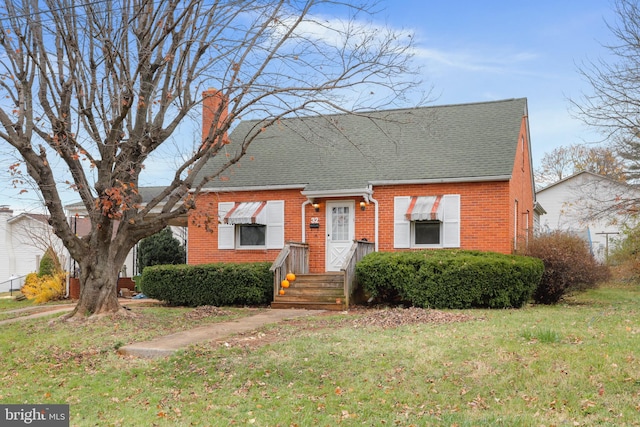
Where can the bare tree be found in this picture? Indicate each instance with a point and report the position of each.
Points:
(36, 233)
(613, 105)
(96, 88)
(562, 162)
(554, 166)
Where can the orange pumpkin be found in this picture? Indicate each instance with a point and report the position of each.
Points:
(291, 277)
(284, 283)
(281, 291)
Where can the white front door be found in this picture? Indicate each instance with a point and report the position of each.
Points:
(340, 232)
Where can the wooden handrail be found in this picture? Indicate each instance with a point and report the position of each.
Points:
(358, 250)
(293, 258)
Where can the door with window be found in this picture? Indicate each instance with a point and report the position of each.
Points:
(340, 232)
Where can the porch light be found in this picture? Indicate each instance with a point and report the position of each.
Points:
(316, 206)
(363, 206)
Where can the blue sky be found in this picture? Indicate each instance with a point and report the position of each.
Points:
(475, 51)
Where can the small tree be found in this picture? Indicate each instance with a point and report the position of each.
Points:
(160, 249)
(49, 264)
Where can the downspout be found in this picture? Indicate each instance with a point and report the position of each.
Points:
(304, 220)
(376, 215)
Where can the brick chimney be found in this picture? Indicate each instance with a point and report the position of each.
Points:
(214, 105)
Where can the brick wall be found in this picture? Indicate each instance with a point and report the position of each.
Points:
(203, 226)
(486, 211)
(521, 189)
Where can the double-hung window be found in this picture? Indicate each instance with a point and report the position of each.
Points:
(251, 225)
(251, 235)
(426, 233)
(427, 221)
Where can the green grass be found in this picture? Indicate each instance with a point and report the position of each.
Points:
(8, 301)
(574, 364)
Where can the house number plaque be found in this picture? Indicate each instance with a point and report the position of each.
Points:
(315, 222)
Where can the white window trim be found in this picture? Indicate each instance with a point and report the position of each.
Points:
(249, 247)
(404, 232)
(228, 234)
(425, 246)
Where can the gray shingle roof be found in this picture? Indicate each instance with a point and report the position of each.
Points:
(343, 151)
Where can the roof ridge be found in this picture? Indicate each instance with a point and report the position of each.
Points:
(391, 110)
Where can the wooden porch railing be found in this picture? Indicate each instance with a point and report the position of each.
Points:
(358, 250)
(293, 258)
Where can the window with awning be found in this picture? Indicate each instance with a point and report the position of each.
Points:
(425, 208)
(431, 221)
(251, 225)
(247, 213)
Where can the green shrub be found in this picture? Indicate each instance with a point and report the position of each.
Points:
(450, 278)
(209, 284)
(49, 264)
(383, 275)
(160, 249)
(568, 266)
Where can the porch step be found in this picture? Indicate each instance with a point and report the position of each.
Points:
(323, 291)
(309, 306)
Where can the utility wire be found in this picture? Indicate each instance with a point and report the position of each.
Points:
(60, 9)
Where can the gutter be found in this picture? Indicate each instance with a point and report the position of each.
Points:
(442, 180)
(376, 217)
(365, 193)
(304, 220)
(251, 188)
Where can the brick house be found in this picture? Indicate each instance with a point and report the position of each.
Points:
(339, 186)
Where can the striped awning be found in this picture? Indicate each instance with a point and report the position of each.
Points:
(425, 208)
(247, 213)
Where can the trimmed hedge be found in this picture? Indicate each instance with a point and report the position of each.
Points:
(209, 284)
(450, 278)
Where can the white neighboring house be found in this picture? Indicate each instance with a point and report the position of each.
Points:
(24, 239)
(584, 203)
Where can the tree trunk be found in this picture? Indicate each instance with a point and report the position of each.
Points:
(98, 290)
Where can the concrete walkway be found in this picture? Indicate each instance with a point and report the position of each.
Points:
(167, 345)
(44, 310)
(40, 312)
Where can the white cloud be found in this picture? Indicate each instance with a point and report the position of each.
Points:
(488, 61)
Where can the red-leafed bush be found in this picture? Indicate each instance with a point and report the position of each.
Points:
(568, 266)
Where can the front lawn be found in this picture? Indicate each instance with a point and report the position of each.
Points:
(573, 364)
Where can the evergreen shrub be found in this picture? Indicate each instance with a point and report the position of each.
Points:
(160, 249)
(450, 278)
(219, 284)
(49, 263)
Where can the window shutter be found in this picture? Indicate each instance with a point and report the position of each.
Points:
(401, 226)
(226, 232)
(451, 223)
(275, 224)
